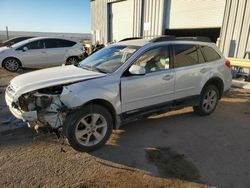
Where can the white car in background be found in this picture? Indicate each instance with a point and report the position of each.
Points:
(40, 52)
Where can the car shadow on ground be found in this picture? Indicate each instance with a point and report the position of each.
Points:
(137, 145)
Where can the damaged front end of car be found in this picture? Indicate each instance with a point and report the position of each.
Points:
(41, 109)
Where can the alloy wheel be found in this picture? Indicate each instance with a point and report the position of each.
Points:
(11, 64)
(91, 129)
(209, 100)
(72, 61)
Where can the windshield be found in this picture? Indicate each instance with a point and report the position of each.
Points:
(108, 59)
(16, 45)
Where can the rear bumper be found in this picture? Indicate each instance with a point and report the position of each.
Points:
(81, 56)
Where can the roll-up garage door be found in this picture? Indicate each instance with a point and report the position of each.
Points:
(121, 20)
(195, 14)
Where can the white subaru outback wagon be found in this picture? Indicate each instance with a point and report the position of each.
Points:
(118, 84)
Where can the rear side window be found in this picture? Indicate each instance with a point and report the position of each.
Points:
(210, 53)
(187, 55)
(65, 43)
(51, 43)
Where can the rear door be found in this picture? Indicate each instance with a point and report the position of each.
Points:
(189, 68)
(153, 88)
(56, 53)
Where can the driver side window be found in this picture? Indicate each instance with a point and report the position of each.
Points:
(156, 59)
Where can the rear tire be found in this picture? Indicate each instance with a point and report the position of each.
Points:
(72, 61)
(11, 64)
(208, 101)
(88, 128)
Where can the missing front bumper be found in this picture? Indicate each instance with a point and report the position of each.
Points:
(25, 116)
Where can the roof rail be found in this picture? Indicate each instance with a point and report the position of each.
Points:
(163, 38)
(198, 38)
(130, 38)
(172, 37)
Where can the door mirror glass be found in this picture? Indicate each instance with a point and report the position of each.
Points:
(25, 48)
(137, 70)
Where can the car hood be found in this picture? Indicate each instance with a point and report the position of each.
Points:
(50, 77)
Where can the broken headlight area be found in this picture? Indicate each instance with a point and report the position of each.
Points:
(35, 101)
(46, 102)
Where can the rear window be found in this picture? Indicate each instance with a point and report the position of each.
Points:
(210, 53)
(186, 55)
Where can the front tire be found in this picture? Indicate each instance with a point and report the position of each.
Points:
(88, 128)
(208, 101)
(11, 64)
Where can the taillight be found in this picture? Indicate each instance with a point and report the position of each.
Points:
(228, 64)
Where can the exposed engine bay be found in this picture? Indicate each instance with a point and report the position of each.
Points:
(46, 104)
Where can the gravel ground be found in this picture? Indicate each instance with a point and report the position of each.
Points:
(176, 149)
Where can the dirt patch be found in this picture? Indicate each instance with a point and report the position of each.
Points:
(238, 93)
(172, 165)
(6, 76)
(28, 159)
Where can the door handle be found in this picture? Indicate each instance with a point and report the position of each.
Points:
(43, 52)
(168, 77)
(203, 70)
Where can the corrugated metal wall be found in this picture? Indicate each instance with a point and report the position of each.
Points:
(149, 12)
(153, 17)
(235, 32)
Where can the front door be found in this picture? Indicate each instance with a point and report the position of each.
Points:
(155, 87)
(35, 55)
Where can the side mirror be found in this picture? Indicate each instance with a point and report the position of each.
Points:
(25, 49)
(137, 70)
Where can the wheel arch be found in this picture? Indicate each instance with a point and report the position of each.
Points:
(106, 104)
(216, 81)
(20, 63)
(72, 56)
